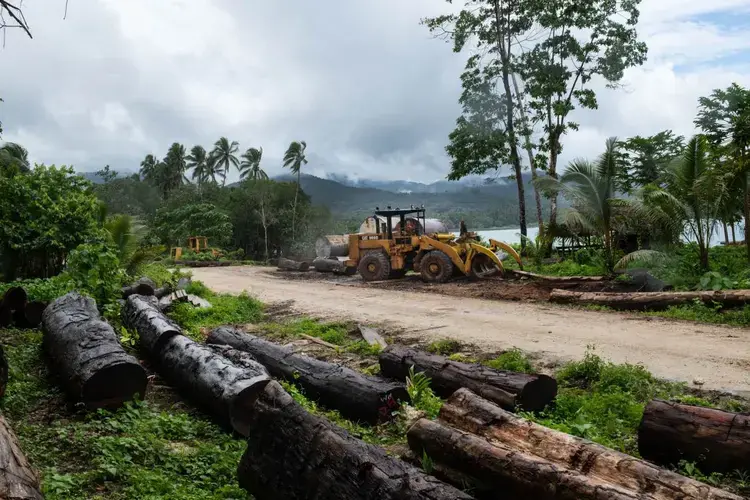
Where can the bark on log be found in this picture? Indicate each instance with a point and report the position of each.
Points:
(85, 352)
(294, 455)
(718, 441)
(162, 292)
(508, 389)
(595, 464)
(18, 480)
(225, 389)
(15, 298)
(3, 372)
(653, 301)
(142, 314)
(329, 265)
(292, 265)
(355, 395)
(333, 245)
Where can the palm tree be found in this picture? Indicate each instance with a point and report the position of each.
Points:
(125, 232)
(250, 165)
(172, 171)
(294, 158)
(14, 158)
(224, 155)
(590, 187)
(198, 161)
(149, 168)
(693, 195)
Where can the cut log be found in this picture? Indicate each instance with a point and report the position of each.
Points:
(86, 354)
(570, 455)
(15, 298)
(557, 279)
(332, 246)
(292, 265)
(294, 455)
(652, 301)
(18, 480)
(6, 315)
(173, 298)
(716, 440)
(508, 389)
(3, 372)
(372, 336)
(162, 292)
(33, 313)
(332, 266)
(355, 395)
(144, 286)
(223, 388)
(142, 314)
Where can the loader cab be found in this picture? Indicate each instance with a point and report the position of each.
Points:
(403, 219)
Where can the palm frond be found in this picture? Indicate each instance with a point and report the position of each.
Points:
(647, 257)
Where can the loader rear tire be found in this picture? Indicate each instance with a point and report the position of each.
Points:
(436, 267)
(374, 266)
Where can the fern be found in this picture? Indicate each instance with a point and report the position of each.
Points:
(421, 395)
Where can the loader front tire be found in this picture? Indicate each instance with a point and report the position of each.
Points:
(374, 266)
(436, 267)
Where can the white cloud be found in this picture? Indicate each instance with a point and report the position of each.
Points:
(362, 82)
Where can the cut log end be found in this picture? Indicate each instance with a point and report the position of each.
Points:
(15, 298)
(112, 386)
(537, 394)
(242, 405)
(33, 313)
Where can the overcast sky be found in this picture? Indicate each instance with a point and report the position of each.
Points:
(360, 80)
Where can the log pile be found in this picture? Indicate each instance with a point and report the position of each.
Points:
(355, 395)
(144, 286)
(18, 480)
(716, 440)
(222, 382)
(561, 280)
(292, 265)
(650, 301)
(507, 389)
(16, 310)
(508, 454)
(294, 455)
(85, 352)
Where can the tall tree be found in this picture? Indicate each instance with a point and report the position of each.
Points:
(724, 117)
(199, 163)
(172, 169)
(224, 156)
(486, 135)
(250, 165)
(294, 158)
(14, 158)
(149, 169)
(577, 41)
(648, 157)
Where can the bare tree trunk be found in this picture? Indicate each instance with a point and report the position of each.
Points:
(294, 209)
(726, 234)
(734, 237)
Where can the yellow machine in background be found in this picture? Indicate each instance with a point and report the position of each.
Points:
(196, 244)
(391, 253)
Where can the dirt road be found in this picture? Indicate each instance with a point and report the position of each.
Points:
(684, 351)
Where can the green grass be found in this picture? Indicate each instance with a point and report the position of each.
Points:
(702, 313)
(513, 360)
(444, 347)
(146, 450)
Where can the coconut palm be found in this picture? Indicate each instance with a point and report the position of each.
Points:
(198, 161)
(250, 165)
(224, 156)
(590, 187)
(294, 158)
(125, 233)
(149, 168)
(14, 158)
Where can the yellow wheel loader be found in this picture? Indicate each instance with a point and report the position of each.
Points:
(391, 251)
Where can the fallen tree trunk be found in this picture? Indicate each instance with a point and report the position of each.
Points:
(18, 480)
(15, 298)
(142, 314)
(292, 265)
(716, 440)
(225, 389)
(355, 395)
(652, 301)
(557, 279)
(595, 464)
(86, 353)
(294, 455)
(144, 286)
(333, 266)
(508, 389)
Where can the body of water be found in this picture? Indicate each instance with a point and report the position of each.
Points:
(512, 235)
